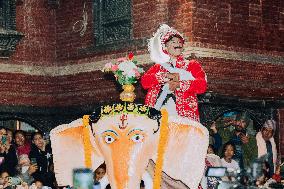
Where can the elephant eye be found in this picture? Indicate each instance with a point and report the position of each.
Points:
(137, 138)
(109, 139)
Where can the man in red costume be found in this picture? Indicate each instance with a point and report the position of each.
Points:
(173, 81)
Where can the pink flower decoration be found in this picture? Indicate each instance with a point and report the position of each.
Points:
(137, 74)
(114, 68)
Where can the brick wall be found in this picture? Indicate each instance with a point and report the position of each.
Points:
(35, 19)
(51, 41)
(236, 25)
(239, 24)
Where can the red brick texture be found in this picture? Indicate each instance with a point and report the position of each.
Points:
(239, 24)
(36, 21)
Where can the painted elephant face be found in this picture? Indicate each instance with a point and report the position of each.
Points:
(127, 142)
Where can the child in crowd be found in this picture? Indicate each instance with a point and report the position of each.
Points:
(99, 173)
(4, 179)
(214, 159)
(227, 161)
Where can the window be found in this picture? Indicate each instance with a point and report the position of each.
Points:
(9, 37)
(112, 21)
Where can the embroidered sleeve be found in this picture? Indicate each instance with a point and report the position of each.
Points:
(184, 85)
(153, 76)
(199, 84)
(161, 77)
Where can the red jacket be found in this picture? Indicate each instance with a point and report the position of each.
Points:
(186, 100)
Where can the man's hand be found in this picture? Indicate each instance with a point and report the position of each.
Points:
(213, 127)
(244, 139)
(173, 85)
(32, 169)
(173, 77)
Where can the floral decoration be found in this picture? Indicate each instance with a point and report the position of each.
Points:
(125, 70)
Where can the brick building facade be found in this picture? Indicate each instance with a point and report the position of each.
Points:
(54, 74)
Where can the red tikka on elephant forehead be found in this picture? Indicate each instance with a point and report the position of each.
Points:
(123, 119)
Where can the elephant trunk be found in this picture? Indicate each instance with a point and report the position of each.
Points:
(125, 175)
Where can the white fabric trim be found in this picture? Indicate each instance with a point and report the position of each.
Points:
(155, 46)
(261, 147)
(183, 74)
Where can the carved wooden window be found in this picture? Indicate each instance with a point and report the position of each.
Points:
(9, 37)
(112, 19)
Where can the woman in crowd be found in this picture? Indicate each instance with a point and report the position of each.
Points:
(23, 146)
(42, 153)
(7, 153)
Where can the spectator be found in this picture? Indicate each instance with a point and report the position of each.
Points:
(227, 160)
(42, 152)
(266, 144)
(8, 153)
(4, 182)
(26, 169)
(100, 181)
(240, 138)
(22, 145)
(9, 136)
(100, 172)
(212, 158)
(217, 139)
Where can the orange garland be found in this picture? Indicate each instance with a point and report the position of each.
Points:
(164, 134)
(87, 142)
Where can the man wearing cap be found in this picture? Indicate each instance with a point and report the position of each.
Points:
(173, 81)
(266, 144)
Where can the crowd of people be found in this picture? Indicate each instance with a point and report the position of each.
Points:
(230, 154)
(25, 162)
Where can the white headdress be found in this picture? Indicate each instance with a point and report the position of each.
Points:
(156, 45)
(270, 124)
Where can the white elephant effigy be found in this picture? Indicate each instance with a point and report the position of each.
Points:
(128, 137)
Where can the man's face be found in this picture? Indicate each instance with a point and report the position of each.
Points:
(174, 46)
(267, 133)
(240, 125)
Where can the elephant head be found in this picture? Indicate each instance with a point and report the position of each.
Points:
(127, 141)
(122, 136)
(126, 137)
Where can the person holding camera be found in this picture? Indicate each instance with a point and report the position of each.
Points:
(240, 138)
(26, 169)
(7, 153)
(42, 153)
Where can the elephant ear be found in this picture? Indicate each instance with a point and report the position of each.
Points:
(73, 146)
